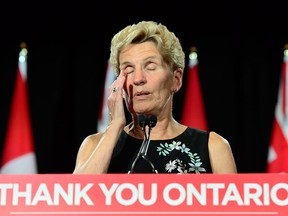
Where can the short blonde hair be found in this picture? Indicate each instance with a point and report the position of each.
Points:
(167, 43)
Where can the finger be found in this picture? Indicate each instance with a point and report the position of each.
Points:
(113, 86)
(121, 79)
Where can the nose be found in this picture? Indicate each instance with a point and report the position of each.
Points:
(139, 77)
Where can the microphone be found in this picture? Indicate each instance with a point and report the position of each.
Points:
(144, 121)
(151, 121)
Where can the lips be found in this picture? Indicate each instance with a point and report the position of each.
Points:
(141, 94)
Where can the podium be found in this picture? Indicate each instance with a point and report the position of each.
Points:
(144, 194)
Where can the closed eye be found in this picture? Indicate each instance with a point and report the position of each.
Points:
(151, 66)
(129, 70)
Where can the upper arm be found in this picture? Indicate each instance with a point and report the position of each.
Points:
(221, 156)
(87, 147)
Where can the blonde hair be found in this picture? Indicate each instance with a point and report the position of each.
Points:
(167, 43)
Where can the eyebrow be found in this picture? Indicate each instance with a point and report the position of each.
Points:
(146, 59)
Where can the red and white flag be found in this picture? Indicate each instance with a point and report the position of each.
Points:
(278, 149)
(103, 118)
(18, 153)
(193, 114)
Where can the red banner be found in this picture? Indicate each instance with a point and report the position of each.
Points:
(144, 194)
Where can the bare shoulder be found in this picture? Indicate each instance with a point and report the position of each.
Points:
(221, 156)
(86, 148)
(91, 141)
(217, 140)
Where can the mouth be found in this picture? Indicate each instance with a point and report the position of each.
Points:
(141, 94)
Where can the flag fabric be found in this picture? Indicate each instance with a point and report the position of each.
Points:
(278, 149)
(18, 155)
(193, 113)
(103, 117)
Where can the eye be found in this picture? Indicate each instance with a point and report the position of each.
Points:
(151, 66)
(129, 69)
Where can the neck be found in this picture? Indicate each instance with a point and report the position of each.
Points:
(166, 128)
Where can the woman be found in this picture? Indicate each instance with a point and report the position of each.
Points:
(149, 62)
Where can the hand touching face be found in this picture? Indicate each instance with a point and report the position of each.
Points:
(115, 100)
(150, 82)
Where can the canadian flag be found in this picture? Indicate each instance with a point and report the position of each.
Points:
(103, 117)
(193, 114)
(278, 149)
(18, 153)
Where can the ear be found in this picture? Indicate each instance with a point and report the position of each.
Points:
(177, 79)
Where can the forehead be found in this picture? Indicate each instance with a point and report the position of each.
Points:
(142, 50)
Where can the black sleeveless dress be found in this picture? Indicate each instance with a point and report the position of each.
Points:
(186, 153)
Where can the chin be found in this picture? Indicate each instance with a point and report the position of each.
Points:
(141, 110)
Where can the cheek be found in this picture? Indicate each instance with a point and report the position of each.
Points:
(128, 82)
(128, 88)
(164, 90)
(167, 84)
